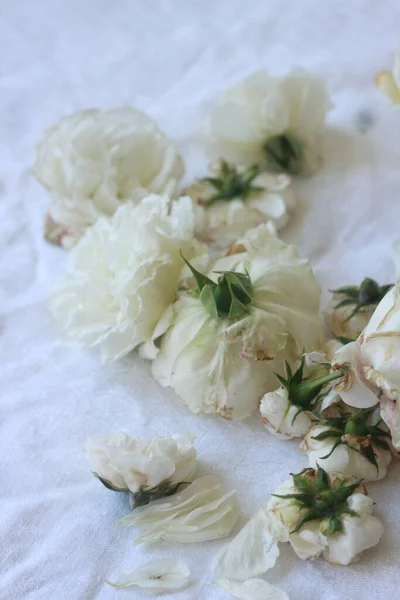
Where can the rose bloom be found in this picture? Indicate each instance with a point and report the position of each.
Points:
(223, 221)
(94, 161)
(127, 464)
(342, 548)
(123, 275)
(272, 121)
(373, 361)
(224, 365)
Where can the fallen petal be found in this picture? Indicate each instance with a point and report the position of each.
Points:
(252, 552)
(252, 589)
(158, 575)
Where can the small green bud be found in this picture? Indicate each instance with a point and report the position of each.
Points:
(369, 292)
(331, 526)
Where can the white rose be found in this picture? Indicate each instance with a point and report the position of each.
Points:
(157, 576)
(279, 415)
(389, 82)
(140, 465)
(199, 513)
(373, 363)
(240, 208)
(123, 274)
(349, 457)
(340, 543)
(216, 365)
(93, 161)
(270, 120)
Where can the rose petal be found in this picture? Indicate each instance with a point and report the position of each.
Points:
(158, 575)
(252, 552)
(252, 589)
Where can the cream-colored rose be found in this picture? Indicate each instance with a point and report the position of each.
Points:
(157, 576)
(279, 415)
(272, 121)
(388, 82)
(123, 275)
(349, 457)
(199, 513)
(373, 363)
(222, 222)
(94, 161)
(224, 365)
(131, 464)
(356, 534)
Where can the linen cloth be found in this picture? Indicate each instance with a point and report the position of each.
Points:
(170, 58)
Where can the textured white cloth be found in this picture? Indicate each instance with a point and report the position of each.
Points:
(170, 58)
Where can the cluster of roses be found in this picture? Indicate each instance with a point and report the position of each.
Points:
(198, 282)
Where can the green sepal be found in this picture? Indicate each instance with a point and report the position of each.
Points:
(284, 154)
(320, 499)
(310, 515)
(324, 435)
(228, 298)
(331, 526)
(367, 295)
(229, 183)
(144, 495)
(108, 484)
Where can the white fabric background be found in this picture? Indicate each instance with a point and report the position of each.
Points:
(170, 58)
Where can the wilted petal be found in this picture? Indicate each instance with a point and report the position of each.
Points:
(252, 589)
(198, 513)
(157, 576)
(354, 389)
(252, 552)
